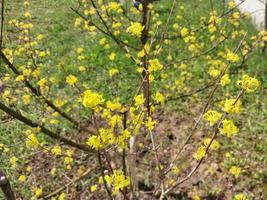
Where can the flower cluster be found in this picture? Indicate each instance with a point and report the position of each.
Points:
(249, 84)
(117, 180)
(212, 116)
(135, 29)
(91, 99)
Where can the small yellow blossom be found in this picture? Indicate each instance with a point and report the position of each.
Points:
(13, 161)
(235, 171)
(225, 80)
(150, 123)
(118, 181)
(212, 116)
(135, 29)
(139, 100)
(230, 108)
(38, 192)
(175, 170)
(78, 22)
(26, 99)
(113, 71)
(112, 56)
(154, 65)
(159, 98)
(232, 57)
(22, 178)
(56, 150)
(229, 129)
(90, 99)
(201, 152)
(214, 145)
(241, 196)
(184, 32)
(94, 142)
(214, 72)
(71, 80)
(93, 188)
(62, 196)
(231, 4)
(79, 50)
(249, 84)
(31, 141)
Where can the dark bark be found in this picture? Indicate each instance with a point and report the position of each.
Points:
(6, 187)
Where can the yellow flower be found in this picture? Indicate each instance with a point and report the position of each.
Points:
(40, 37)
(212, 116)
(175, 170)
(38, 192)
(214, 72)
(68, 160)
(82, 68)
(102, 41)
(71, 80)
(154, 65)
(196, 197)
(31, 141)
(235, 171)
(42, 83)
(232, 57)
(112, 72)
(13, 161)
(150, 123)
(248, 83)
(135, 29)
(79, 50)
(122, 139)
(114, 120)
(27, 14)
(241, 196)
(26, 99)
(20, 78)
(184, 32)
(225, 80)
(94, 142)
(201, 152)
(139, 100)
(77, 22)
(93, 188)
(144, 51)
(114, 105)
(90, 99)
(231, 4)
(112, 56)
(230, 108)
(159, 98)
(229, 129)
(214, 145)
(22, 178)
(114, 6)
(56, 150)
(118, 181)
(62, 196)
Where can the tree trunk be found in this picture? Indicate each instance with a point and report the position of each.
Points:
(6, 187)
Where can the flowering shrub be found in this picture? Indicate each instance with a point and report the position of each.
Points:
(80, 124)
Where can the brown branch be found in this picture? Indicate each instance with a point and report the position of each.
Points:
(192, 172)
(37, 92)
(6, 187)
(206, 106)
(54, 193)
(46, 131)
